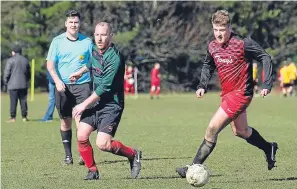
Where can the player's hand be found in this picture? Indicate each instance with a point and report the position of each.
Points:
(60, 86)
(78, 110)
(265, 92)
(200, 93)
(74, 77)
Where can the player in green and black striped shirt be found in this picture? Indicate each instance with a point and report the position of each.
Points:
(106, 104)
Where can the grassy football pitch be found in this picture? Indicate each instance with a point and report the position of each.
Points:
(168, 131)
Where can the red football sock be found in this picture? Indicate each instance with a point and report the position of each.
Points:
(86, 151)
(119, 149)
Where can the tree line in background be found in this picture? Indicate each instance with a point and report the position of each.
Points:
(173, 33)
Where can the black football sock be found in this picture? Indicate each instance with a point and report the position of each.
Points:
(257, 140)
(66, 140)
(204, 151)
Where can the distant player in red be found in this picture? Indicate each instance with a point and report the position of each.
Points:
(129, 81)
(155, 81)
(232, 56)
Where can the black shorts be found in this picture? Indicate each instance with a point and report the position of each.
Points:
(287, 85)
(73, 95)
(103, 117)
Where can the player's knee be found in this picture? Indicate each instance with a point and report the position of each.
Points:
(65, 124)
(104, 145)
(242, 133)
(211, 133)
(81, 136)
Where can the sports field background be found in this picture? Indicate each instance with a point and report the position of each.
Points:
(168, 131)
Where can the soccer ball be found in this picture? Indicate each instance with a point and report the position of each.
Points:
(197, 175)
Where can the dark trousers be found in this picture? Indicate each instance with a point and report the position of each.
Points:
(15, 95)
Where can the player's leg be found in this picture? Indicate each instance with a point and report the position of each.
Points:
(105, 142)
(256, 88)
(284, 89)
(13, 105)
(23, 102)
(241, 129)
(152, 91)
(132, 90)
(126, 88)
(66, 135)
(110, 117)
(85, 149)
(80, 92)
(218, 122)
(290, 90)
(158, 90)
(64, 109)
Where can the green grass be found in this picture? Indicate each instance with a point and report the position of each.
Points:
(168, 131)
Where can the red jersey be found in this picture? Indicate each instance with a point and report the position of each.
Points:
(128, 74)
(234, 63)
(155, 74)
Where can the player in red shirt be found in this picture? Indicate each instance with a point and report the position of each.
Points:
(233, 56)
(155, 81)
(129, 81)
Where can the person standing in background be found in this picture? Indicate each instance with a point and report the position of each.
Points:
(293, 73)
(285, 81)
(129, 81)
(155, 81)
(16, 77)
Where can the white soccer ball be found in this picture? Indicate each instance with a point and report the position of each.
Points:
(197, 175)
(131, 81)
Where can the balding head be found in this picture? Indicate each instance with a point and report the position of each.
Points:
(105, 25)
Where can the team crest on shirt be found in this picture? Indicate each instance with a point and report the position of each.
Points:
(81, 57)
(225, 58)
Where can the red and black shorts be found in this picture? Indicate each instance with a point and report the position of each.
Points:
(103, 117)
(234, 103)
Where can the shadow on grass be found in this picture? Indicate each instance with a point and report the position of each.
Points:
(143, 159)
(284, 179)
(263, 180)
(168, 177)
(38, 120)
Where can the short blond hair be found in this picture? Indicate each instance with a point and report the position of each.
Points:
(105, 24)
(221, 18)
